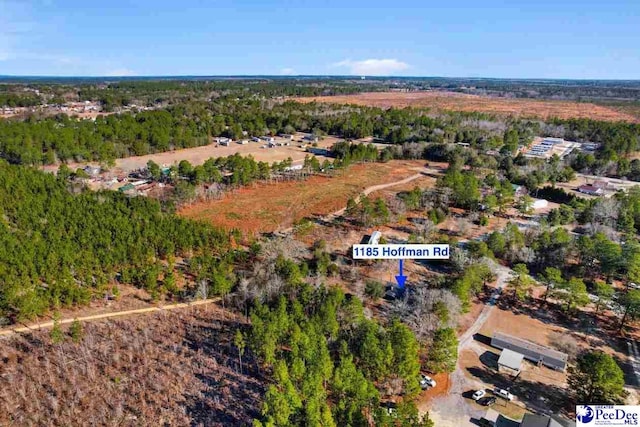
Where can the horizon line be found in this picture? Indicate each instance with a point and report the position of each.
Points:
(293, 76)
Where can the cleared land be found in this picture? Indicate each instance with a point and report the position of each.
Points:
(454, 101)
(176, 368)
(269, 207)
(198, 155)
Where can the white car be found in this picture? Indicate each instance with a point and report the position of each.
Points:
(500, 392)
(426, 381)
(478, 395)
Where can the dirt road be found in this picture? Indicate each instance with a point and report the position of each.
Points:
(46, 325)
(453, 410)
(333, 215)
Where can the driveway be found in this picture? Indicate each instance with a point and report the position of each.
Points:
(454, 410)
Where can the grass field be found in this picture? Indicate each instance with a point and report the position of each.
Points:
(454, 101)
(269, 207)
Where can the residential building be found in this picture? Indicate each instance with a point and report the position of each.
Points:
(531, 351)
(591, 190)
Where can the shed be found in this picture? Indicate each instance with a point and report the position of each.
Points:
(375, 238)
(510, 362)
(491, 417)
(531, 351)
(126, 187)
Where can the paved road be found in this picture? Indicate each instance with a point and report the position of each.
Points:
(46, 325)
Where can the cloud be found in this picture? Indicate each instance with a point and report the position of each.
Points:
(372, 67)
(119, 72)
(287, 71)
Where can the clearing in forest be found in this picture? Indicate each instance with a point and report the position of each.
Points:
(268, 207)
(454, 101)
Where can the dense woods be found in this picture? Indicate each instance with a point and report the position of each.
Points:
(329, 362)
(59, 249)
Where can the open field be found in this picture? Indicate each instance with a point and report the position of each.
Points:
(454, 101)
(198, 155)
(269, 207)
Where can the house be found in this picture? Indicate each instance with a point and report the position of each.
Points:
(311, 138)
(286, 136)
(242, 141)
(267, 138)
(531, 351)
(532, 420)
(255, 139)
(590, 189)
(510, 362)
(553, 141)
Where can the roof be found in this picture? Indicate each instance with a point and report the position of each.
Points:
(531, 420)
(491, 415)
(522, 343)
(510, 359)
(589, 189)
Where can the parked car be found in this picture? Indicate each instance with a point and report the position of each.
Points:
(426, 381)
(479, 394)
(500, 392)
(488, 401)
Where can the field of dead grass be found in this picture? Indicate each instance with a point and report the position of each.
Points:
(453, 101)
(269, 207)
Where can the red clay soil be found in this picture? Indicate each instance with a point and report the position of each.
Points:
(443, 383)
(269, 207)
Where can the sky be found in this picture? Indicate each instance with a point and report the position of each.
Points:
(578, 39)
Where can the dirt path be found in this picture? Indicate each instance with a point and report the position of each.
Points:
(46, 325)
(333, 215)
(453, 410)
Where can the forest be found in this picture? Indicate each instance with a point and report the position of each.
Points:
(61, 249)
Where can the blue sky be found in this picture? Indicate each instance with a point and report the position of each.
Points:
(469, 38)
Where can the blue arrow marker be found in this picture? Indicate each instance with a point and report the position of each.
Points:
(401, 278)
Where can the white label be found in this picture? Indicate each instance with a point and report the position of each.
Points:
(607, 415)
(407, 251)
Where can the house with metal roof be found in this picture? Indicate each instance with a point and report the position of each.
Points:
(531, 351)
